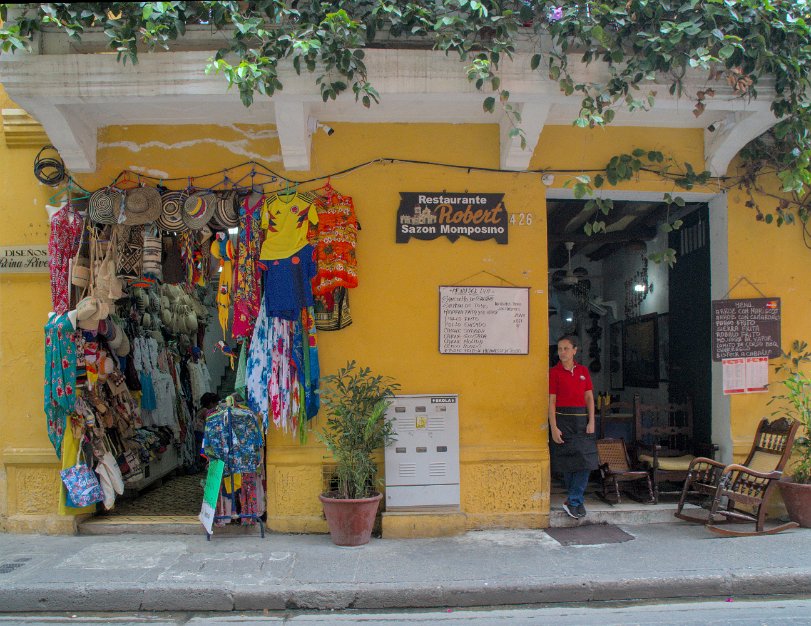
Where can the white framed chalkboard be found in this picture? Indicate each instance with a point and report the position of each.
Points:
(483, 320)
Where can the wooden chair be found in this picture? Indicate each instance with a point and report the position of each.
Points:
(746, 487)
(615, 468)
(664, 443)
(618, 412)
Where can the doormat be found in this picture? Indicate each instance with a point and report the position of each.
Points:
(588, 535)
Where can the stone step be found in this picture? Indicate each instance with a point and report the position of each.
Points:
(158, 525)
(629, 514)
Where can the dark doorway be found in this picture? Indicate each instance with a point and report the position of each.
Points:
(690, 342)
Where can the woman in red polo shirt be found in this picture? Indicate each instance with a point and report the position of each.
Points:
(571, 424)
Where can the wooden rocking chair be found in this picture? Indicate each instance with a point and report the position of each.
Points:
(615, 468)
(746, 487)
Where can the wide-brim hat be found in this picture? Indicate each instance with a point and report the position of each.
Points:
(105, 205)
(171, 212)
(198, 209)
(142, 205)
(226, 215)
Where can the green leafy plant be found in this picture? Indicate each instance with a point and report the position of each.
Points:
(641, 43)
(795, 401)
(355, 401)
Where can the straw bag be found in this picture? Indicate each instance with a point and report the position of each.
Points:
(152, 252)
(106, 284)
(80, 265)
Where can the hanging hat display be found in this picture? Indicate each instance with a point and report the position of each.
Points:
(142, 205)
(198, 209)
(105, 205)
(226, 214)
(171, 212)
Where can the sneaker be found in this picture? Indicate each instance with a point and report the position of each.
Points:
(580, 510)
(571, 510)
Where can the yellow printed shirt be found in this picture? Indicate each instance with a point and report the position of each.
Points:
(286, 220)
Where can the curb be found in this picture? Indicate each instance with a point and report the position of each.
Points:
(166, 597)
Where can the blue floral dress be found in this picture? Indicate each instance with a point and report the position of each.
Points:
(60, 377)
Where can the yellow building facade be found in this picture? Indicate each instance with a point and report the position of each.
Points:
(502, 399)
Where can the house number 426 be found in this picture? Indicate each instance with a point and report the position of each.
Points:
(521, 219)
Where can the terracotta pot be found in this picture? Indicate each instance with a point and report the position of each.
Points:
(797, 498)
(350, 521)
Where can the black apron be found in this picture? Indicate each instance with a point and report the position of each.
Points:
(579, 450)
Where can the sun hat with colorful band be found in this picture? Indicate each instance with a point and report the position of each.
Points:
(142, 205)
(171, 212)
(226, 214)
(198, 209)
(105, 205)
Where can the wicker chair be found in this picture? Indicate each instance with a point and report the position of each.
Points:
(746, 487)
(615, 468)
(664, 443)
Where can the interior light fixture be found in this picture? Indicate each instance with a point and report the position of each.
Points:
(640, 288)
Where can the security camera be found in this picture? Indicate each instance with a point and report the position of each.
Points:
(313, 125)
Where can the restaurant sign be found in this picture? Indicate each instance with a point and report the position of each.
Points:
(23, 259)
(432, 214)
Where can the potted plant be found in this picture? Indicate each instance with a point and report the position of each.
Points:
(796, 403)
(355, 401)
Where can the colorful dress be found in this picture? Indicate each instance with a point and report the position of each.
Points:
(60, 376)
(63, 244)
(248, 289)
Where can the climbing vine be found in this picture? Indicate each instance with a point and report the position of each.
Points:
(744, 43)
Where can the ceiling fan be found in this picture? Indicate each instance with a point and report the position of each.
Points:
(563, 280)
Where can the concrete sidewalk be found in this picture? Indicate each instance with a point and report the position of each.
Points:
(480, 568)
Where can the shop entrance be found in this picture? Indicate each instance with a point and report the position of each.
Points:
(644, 328)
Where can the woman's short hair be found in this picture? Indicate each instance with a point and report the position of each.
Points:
(572, 339)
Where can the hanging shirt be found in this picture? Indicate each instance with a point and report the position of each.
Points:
(286, 220)
(288, 284)
(233, 435)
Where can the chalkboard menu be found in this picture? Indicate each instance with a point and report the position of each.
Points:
(746, 328)
(484, 320)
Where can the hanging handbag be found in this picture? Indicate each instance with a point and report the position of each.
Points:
(80, 265)
(152, 253)
(129, 250)
(81, 483)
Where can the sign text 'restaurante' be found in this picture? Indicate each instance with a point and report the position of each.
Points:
(432, 214)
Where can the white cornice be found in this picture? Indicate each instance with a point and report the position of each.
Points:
(73, 95)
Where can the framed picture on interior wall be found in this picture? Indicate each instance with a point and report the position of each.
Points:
(664, 348)
(640, 351)
(615, 356)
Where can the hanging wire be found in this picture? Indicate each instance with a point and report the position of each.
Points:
(49, 169)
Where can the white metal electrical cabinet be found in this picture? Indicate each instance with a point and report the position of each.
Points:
(422, 465)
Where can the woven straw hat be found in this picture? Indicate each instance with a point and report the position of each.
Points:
(226, 214)
(142, 205)
(171, 212)
(198, 209)
(105, 205)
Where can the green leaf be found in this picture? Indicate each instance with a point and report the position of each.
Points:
(726, 52)
(535, 61)
(489, 104)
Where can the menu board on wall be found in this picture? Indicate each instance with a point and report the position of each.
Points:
(484, 320)
(746, 328)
